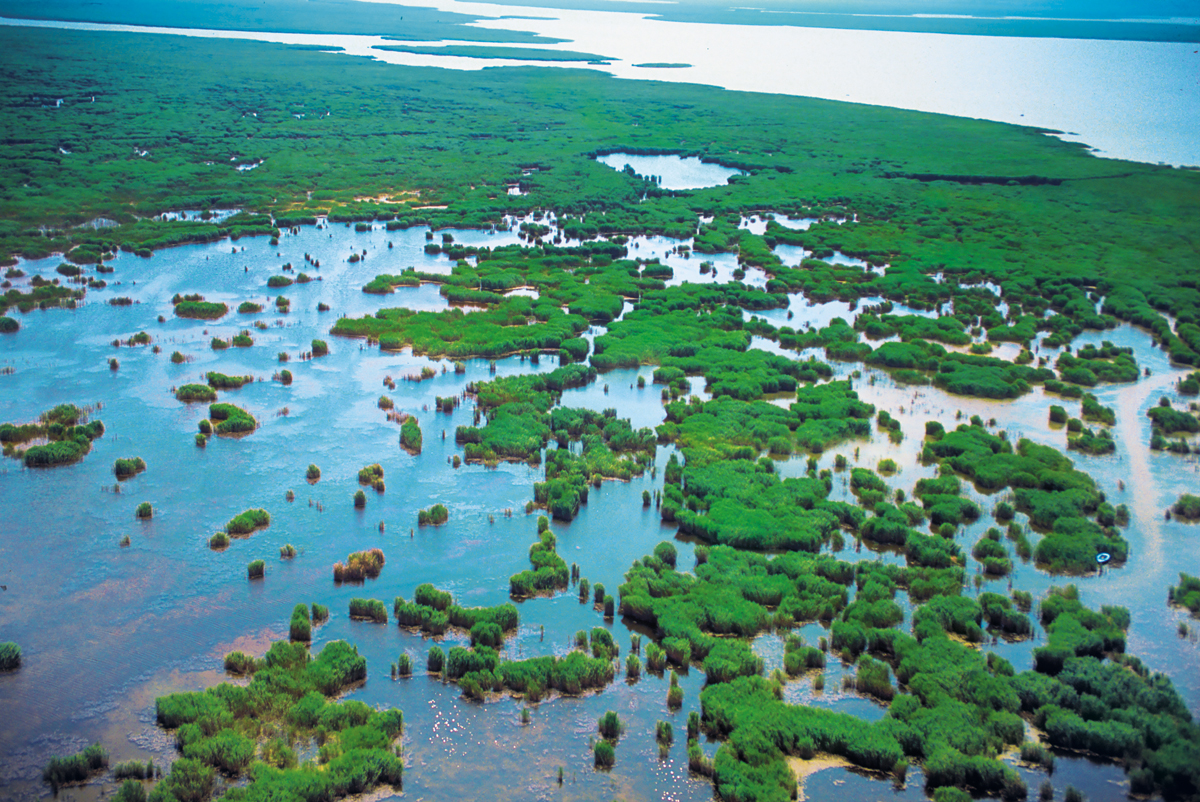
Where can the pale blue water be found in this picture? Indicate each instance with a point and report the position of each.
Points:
(675, 172)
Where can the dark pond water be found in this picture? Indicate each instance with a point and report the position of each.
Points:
(105, 629)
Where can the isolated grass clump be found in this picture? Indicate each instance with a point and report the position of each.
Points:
(410, 435)
(549, 572)
(75, 768)
(246, 522)
(144, 511)
(434, 516)
(196, 393)
(1187, 506)
(371, 609)
(231, 419)
(200, 310)
(256, 569)
(219, 381)
(300, 627)
(219, 540)
(372, 475)
(127, 467)
(1186, 593)
(66, 428)
(313, 473)
(10, 656)
(358, 566)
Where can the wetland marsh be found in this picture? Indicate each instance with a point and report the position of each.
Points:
(795, 403)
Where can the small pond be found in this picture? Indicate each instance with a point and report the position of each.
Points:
(673, 172)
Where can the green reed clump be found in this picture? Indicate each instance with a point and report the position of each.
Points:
(75, 768)
(241, 663)
(219, 540)
(134, 769)
(656, 658)
(287, 551)
(359, 565)
(67, 429)
(633, 667)
(219, 381)
(434, 516)
(10, 656)
(360, 499)
(320, 613)
(410, 435)
(610, 726)
(313, 473)
(145, 511)
(300, 627)
(436, 660)
(193, 393)
(404, 665)
(246, 522)
(257, 569)
(370, 474)
(320, 348)
(604, 755)
(126, 467)
(231, 419)
(371, 609)
(200, 310)
(1187, 506)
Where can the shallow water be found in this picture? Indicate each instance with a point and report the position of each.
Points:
(105, 629)
(672, 172)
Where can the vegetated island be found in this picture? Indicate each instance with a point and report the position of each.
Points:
(231, 420)
(220, 729)
(62, 436)
(247, 522)
(410, 435)
(194, 306)
(434, 516)
(496, 52)
(128, 467)
(359, 566)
